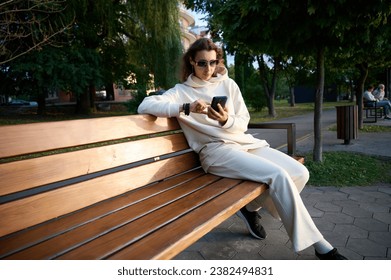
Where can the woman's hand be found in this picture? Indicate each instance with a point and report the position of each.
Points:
(221, 116)
(199, 106)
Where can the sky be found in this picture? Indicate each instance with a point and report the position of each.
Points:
(198, 18)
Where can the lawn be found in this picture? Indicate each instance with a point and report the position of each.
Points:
(344, 169)
(284, 110)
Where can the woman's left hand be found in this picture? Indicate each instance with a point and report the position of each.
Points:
(221, 116)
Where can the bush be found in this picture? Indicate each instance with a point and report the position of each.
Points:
(133, 103)
(254, 97)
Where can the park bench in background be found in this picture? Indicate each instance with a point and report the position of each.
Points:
(372, 111)
(123, 187)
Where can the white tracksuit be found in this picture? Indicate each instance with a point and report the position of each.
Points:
(228, 151)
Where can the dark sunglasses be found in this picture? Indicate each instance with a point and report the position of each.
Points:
(204, 63)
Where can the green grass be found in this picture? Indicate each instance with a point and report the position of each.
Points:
(375, 128)
(348, 169)
(284, 110)
(368, 128)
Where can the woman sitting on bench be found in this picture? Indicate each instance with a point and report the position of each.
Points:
(218, 136)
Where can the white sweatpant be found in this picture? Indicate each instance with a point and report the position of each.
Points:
(285, 176)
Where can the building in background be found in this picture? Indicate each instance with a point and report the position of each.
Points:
(189, 30)
(186, 22)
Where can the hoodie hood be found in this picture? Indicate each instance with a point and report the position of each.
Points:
(194, 82)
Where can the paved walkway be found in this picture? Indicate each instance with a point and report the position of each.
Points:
(356, 220)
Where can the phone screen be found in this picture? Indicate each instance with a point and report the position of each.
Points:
(218, 100)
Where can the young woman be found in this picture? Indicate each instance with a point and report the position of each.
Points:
(219, 137)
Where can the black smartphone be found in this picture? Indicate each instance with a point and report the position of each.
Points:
(218, 100)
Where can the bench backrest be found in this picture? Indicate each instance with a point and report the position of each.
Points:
(77, 164)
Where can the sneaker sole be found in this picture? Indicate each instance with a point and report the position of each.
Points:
(240, 215)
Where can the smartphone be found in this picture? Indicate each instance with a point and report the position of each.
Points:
(218, 100)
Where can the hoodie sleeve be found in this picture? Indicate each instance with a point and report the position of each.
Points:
(165, 105)
(239, 118)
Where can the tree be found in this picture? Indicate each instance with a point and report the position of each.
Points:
(247, 79)
(104, 43)
(27, 25)
(155, 47)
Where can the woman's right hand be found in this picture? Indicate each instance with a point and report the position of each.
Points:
(199, 107)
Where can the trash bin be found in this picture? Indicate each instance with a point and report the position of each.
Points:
(347, 123)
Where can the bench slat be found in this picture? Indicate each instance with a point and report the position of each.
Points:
(112, 221)
(45, 231)
(180, 234)
(109, 243)
(26, 174)
(36, 137)
(36, 209)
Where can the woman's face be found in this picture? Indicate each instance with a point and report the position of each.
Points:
(204, 64)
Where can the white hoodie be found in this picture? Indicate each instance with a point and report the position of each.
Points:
(198, 128)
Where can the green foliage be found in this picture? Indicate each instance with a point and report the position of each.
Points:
(52, 69)
(254, 97)
(353, 32)
(348, 169)
(108, 42)
(156, 43)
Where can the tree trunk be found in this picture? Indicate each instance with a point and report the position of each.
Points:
(109, 91)
(269, 90)
(292, 96)
(363, 69)
(92, 93)
(83, 103)
(41, 110)
(318, 141)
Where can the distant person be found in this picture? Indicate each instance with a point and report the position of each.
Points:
(160, 91)
(379, 92)
(370, 101)
(218, 136)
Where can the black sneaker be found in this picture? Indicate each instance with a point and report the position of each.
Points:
(332, 255)
(252, 222)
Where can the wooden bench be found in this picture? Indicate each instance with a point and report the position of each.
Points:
(372, 111)
(69, 191)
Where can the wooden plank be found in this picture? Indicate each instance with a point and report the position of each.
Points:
(45, 231)
(181, 233)
(26, 174)
(113, 241)
(23, 213)
(300, 159)
(114, 220)
(36, 137)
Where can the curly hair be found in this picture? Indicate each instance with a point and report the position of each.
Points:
(202, 44)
